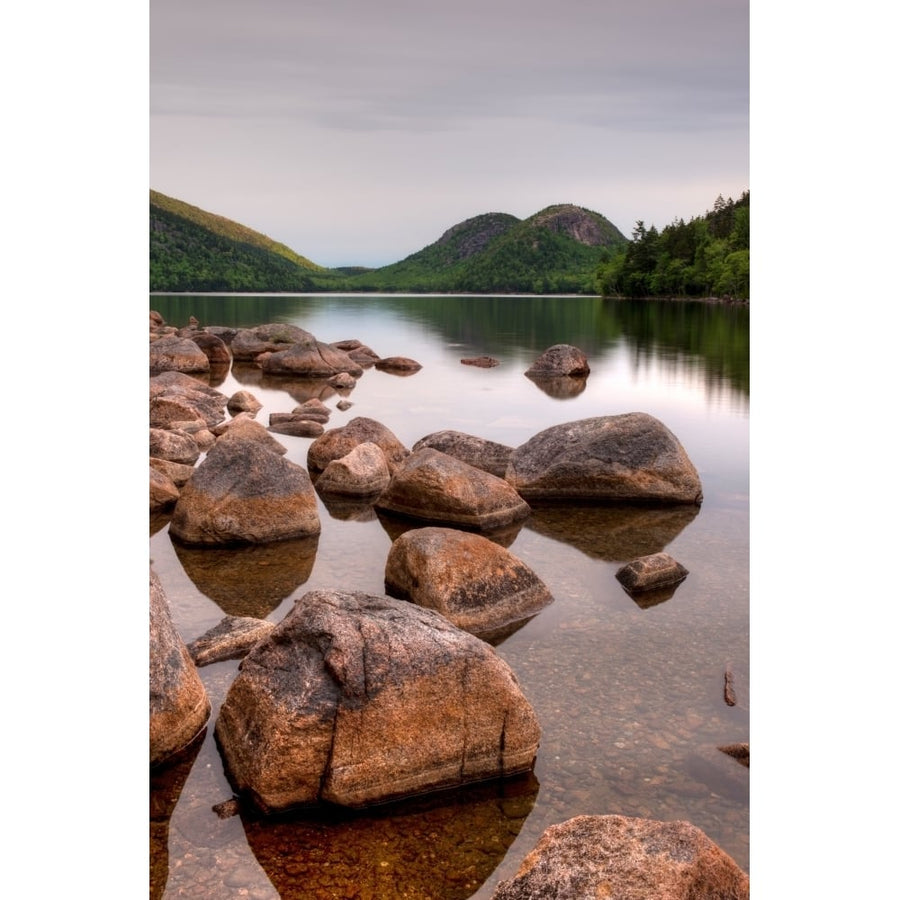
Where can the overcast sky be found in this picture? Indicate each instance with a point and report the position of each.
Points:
(357, 132)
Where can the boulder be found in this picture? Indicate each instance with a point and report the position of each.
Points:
(175, 446)
(232, 638)
(163, 491)
(363, 472)
(175, 354)
(631, 457)
(628, 859)
(244, 427)
(560, 359)
(358, 352)
(243, 401)
(398, 365)
(355, 699)
(438, 488)
(245, 493)
(179, 705)
(482, 362)
(214, 347)
(343, 381)
(308, 358)
(249, 343)
(648, 573)
(479, 586)
(205, 403)
(338, 442)
(177, 472)
(478, 452)
(297, 426)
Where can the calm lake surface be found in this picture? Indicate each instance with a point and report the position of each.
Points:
(630, 699)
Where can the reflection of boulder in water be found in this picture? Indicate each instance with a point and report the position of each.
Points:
(350, 509)
(166, 784)
(559, 387)
(249, 580)
(395, 525)
(646, 599)
(440, 845)
(611, 533)
(159, 520)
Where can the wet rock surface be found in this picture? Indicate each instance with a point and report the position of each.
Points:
(338, 442)
(356, 699)
(232, 638)
(631, 457)
(479, 586)
(649, 573)
(179, 705)
(626, 858)
(478, 452)
(434, 487)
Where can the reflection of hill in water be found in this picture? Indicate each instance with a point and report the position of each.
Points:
(611, 533)
(442, 845)
(249, 580)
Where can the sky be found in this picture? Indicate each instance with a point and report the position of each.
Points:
(357, 132)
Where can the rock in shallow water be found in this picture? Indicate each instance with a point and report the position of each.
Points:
(626, 859)
(355, 699)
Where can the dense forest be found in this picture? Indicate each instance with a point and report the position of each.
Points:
(706, 257)
(562, 249)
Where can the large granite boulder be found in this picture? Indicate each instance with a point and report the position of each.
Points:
(338, 442)
(245, 493)
(363, 472)
(172, 353)
(560, 359)
(479, 586)
(438, 488)
(626, 859)
(243, 427)
(631, 457)
(479, 452)
(355, 699)
(179, 705)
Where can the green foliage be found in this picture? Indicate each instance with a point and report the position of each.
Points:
(706, 257)
(187, 256)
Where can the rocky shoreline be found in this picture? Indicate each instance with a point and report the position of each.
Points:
(402, 693)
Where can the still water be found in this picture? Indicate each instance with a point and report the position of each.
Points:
(630, 699)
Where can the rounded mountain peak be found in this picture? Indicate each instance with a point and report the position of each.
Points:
(580, 224)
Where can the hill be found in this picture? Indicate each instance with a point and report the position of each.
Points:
(557, 250)
(194, 250)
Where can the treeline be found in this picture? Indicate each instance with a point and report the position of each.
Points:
(706, 257)
(185, 256)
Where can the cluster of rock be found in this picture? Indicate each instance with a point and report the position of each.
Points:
(354, 699)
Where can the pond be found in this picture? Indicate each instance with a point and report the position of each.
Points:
(629, 697)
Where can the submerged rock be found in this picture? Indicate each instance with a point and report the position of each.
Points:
(479, 586)
(398, 365)
(438, 488)
(630, 457)
(243, 492)
(627, 859)
(179, 705)
(355, 699)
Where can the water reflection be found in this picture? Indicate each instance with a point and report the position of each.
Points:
(250, 580)
(559, 387)
(611, 533)
(442, 845)
(396, 525)
(166, 784)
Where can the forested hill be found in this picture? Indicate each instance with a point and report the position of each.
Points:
(706, 257)
(556, 250)
(561, 249)
(193, 250)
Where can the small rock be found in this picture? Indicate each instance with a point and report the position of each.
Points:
(651, 572)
